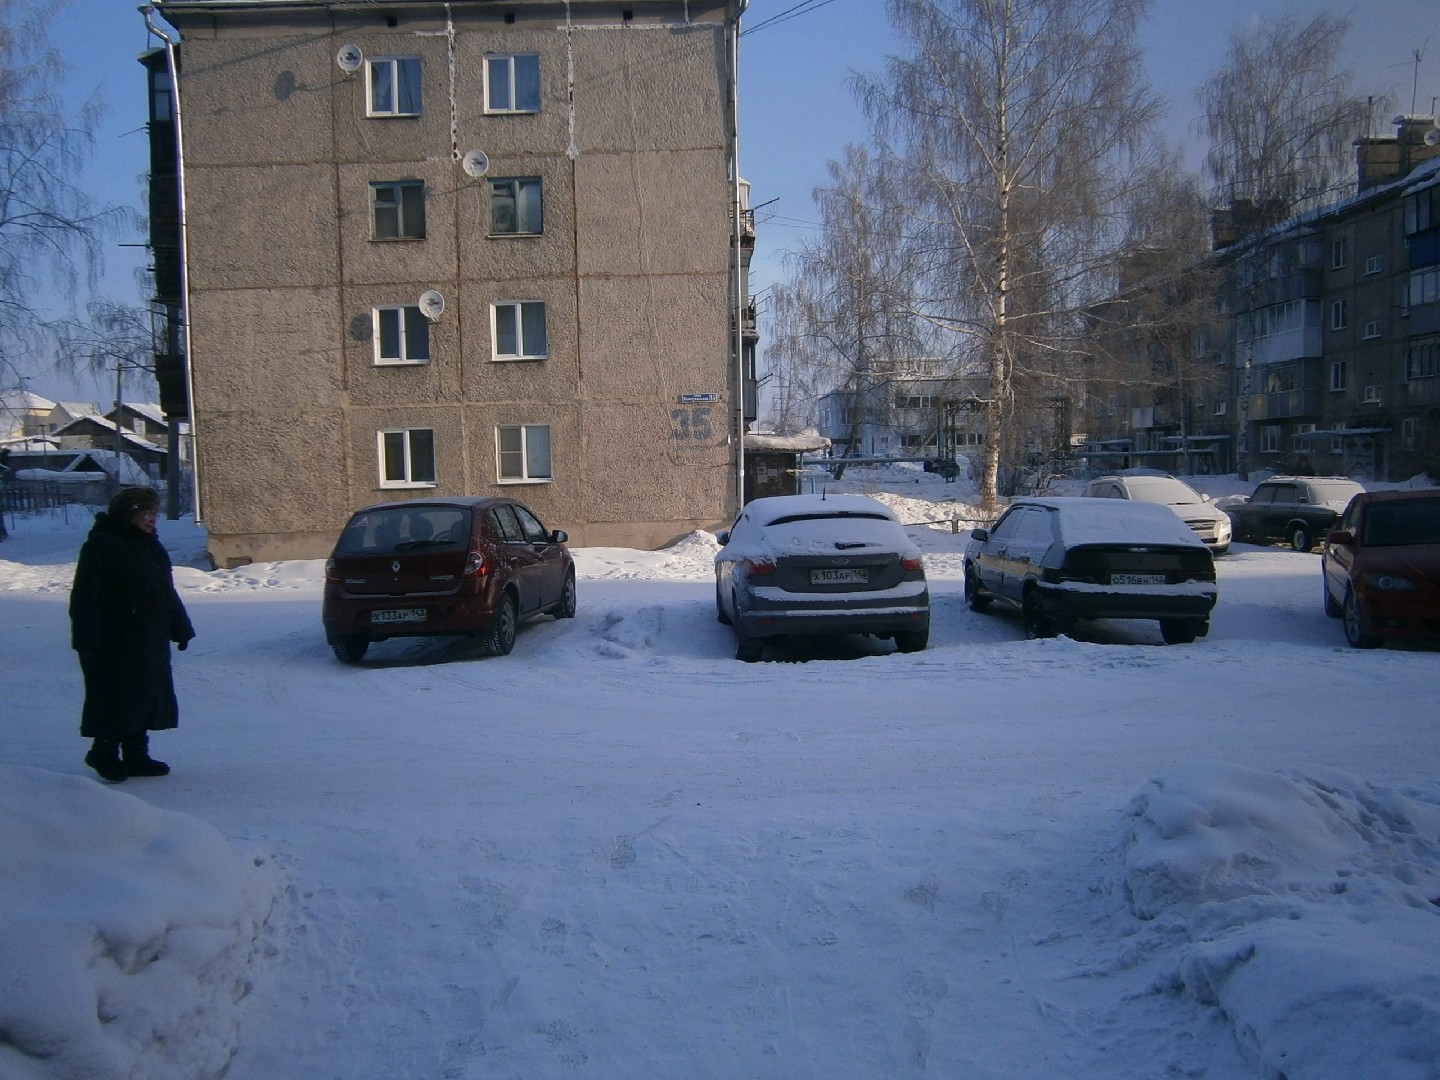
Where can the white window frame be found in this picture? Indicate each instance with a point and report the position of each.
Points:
(1375, 264)
(1339, 314)
(1270, 438)
(527, 459)
(522, 313)
(500, 73)
(1372, 330)
(1372, 394)
(405, 228)
(408, 319)
(1339, 375)
(393, 66)
(527, 197)
(1339, 253)
(1221, 408)
(409, 471)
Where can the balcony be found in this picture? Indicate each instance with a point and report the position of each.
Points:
(1284, 404)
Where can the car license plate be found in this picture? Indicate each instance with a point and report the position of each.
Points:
(393, 615)
(839, 577)
(1137, 579)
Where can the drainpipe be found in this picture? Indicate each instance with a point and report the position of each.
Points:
(172, 68)
(739, 277)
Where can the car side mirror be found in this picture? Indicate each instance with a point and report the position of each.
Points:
(980, 534)
(1340, 536)
(723, 537)
(559, 536)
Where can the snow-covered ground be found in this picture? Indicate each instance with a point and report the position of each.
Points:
(618, 852)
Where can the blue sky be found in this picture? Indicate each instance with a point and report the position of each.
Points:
(796, 110)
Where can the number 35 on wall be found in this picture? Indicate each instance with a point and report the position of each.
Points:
(691, 424)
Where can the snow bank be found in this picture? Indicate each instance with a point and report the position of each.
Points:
(128, 937)
(1308, 911)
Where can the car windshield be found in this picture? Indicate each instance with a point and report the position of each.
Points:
(396, 530)
(1163, 490)
(1392, 524)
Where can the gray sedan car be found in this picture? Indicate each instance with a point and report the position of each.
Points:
(820, 564)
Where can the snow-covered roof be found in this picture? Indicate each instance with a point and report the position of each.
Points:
(148, 409)
(125, 434)
(23, 401)
(793, 444)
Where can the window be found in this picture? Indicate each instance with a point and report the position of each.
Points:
(394, 85)
(523, 452)
(1339, 253)
(1372, 394)
(397, 210)
(1374, 264)
(1270, 439)
(512, 83)
(402, 336)
(1339, 314)
(1422, 360)
(519, 330)
(1372, 329)
(1221, 408)
(1424, 287)
(1408, 433)
(515, 207)
(407, 457)
(1337, 375)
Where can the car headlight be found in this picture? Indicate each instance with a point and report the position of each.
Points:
(1389, 582)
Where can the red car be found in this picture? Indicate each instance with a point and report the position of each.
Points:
(1381, 567)
(475, 566)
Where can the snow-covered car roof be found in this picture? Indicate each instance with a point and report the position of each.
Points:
(1109, 521)
(771, 509)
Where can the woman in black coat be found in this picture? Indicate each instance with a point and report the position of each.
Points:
(124, 613)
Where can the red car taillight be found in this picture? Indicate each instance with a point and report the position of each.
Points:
(758, 569)
(475, 565)
(913, 562)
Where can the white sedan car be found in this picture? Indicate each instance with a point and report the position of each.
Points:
(1210, 523)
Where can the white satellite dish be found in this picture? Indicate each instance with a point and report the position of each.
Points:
(432, 304)
(349, 58)
(1432, 137)
(475, 163)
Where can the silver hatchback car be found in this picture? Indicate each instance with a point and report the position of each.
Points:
(820, 564)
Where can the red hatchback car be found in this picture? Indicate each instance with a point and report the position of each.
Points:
(475, 566)
(1381, 567)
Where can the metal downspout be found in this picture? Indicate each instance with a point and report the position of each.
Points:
(737, 268)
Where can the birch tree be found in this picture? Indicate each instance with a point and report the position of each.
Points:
(1281, 120)
(1018, 124)
(845, 319)
(50, 230)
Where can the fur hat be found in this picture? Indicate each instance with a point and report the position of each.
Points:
(132, 500)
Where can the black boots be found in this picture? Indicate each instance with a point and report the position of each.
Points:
(104, 758)
(138, 761)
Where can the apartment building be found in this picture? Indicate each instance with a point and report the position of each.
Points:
(453, 247)
(1324, 353)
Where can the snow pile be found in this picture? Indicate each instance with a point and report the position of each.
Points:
(129, 934)
(1309, 905)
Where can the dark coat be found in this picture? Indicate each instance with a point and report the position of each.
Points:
(124, 613)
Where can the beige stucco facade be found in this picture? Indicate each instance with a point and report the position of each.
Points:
(633, 148)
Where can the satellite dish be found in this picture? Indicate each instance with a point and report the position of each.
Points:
(432, 304)
(475, 163)
(349, 58)
(1432, 137)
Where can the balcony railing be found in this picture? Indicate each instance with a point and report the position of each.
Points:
(1285, 403)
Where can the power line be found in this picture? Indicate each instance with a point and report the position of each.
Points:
(805, 7)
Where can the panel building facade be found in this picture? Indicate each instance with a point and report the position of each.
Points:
(446, 248)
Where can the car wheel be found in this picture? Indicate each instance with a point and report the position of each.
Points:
(912, 640)
(720, 616)
(1178, 631)
(499, 637)
(1037, 623)
(351, 648)
(565, 609)
(1354, 634)
(747, 648)
(1332, 609)
(977, 600)
(1300, 538)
